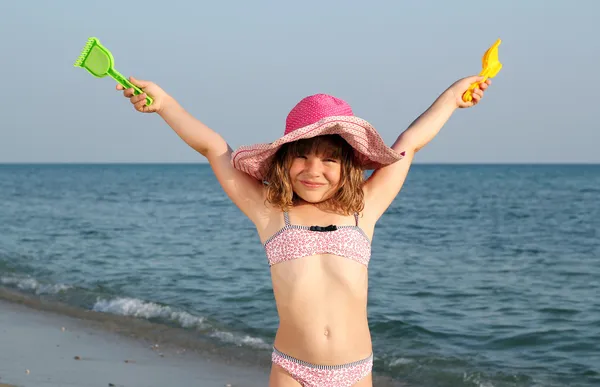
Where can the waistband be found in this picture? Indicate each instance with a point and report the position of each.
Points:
(323, 367)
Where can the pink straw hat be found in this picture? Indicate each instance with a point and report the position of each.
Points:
(317, 115)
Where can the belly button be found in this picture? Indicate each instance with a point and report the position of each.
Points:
(326, 332)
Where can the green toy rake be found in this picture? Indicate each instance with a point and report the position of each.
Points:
(99, 62)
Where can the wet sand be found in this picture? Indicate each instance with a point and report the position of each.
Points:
(41, 348)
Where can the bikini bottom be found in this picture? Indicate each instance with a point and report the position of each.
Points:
(313, 375)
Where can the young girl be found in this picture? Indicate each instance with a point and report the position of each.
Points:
(315, 215)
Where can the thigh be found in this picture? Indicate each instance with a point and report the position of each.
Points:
(367, 381)
(281, 378)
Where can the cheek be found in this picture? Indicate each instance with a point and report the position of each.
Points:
(294, 169)
(334, 175)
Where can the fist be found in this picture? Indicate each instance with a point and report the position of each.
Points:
(462, 85)
(139, 101)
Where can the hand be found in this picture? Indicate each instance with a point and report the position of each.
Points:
(459, 87)
(148, 88)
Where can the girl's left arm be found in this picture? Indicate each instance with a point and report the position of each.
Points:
(385, 183)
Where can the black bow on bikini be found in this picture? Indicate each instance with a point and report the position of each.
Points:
(320, 228)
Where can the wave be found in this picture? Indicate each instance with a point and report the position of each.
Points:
(132, 307)
(30, 284)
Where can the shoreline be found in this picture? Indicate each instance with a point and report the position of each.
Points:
(64, 345)
(50, 349)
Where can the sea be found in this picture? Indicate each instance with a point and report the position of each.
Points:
(481, 275)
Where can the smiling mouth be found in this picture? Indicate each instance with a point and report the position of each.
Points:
(311, 185)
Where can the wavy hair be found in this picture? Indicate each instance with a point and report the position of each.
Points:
(348, 197)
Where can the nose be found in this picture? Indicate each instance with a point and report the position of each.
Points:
(313, 166)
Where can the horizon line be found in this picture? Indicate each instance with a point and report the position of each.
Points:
(206, 163)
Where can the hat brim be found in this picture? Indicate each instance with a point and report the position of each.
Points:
(371, 150)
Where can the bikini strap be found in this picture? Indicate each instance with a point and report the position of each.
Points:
(356, 218)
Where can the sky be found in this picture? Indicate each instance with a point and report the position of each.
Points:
(240, 66)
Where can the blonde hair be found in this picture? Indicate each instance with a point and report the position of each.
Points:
(348, 197)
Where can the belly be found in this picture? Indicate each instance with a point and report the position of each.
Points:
(322, 306)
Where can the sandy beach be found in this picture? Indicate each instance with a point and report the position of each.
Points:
(40, 348)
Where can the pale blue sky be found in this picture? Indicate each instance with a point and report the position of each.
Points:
(240, 66)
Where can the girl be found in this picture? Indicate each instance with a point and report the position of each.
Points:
(315, 215)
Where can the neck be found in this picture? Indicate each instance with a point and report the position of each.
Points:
(325, 205)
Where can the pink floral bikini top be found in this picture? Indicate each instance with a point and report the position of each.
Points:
(296, 241)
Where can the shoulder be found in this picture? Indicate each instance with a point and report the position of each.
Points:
(384, 184)
(268, 220)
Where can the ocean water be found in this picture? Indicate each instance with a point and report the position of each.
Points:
(481, 275)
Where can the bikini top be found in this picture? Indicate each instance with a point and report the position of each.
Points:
(296, 241)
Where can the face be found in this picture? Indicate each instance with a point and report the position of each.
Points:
(315, 177)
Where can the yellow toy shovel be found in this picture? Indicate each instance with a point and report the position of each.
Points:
(491, 66)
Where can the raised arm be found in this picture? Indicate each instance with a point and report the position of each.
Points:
(385, 183)
(246, 192)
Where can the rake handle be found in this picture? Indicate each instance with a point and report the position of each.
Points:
(128, 85)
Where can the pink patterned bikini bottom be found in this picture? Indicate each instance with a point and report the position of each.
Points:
(313, 375)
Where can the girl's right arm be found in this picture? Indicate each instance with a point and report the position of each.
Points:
(246, 192)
